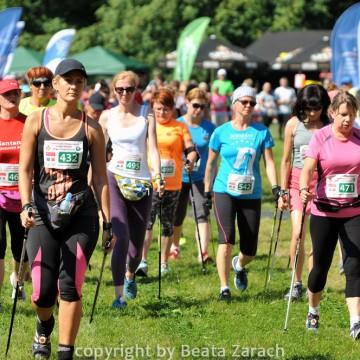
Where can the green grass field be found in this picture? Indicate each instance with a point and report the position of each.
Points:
(189, 322)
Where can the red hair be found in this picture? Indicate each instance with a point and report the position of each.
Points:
(38, 72)
(165, 97)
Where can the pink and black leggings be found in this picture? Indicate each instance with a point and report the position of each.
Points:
(59, 259)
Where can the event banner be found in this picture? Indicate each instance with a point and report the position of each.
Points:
(58, 48)
(8, 31)
(188, 46)
(18, 29)
(345, 64)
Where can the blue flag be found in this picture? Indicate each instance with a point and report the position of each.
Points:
(8, 31)
(58, 48)
(345, 64)
(18, 29)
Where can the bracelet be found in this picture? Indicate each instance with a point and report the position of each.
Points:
(302, 189)
(27, 206)
(284, 192)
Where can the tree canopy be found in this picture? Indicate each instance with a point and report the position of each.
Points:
(148, 29)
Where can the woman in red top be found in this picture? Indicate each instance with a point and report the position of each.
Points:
(11, 127)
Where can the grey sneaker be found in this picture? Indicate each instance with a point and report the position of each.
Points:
(164, 269)
(296, 293)
(355, 331)
(41, 347)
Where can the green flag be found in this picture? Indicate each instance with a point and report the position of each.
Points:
(188, 46)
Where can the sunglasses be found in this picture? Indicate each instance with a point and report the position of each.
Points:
(37, 83)
(247, 102)
(324, 204)
(198, 106)
(128, 90)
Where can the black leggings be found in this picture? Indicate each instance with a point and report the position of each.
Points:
(16, 234)
(247, 213)
(325, 232)
(59, 259)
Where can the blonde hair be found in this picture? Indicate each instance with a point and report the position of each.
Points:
(196, 93)
(344, 97)
(134, 78)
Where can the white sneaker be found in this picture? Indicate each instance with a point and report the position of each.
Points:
(142, 269)
(21, 292)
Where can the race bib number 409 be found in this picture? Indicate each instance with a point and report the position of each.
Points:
(59, 154)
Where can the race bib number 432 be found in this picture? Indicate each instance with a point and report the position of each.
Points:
(59, 154)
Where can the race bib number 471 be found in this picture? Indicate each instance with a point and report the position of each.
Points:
(60, 154)
(342, 186)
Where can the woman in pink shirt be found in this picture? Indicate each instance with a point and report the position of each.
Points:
(335, 212)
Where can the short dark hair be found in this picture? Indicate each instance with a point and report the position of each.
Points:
(312, 96)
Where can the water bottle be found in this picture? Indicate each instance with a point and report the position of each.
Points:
(65, 205)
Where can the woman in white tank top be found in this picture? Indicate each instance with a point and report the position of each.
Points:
(131, 135)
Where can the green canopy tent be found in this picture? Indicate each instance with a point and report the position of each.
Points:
(24, 58)
(100, 61)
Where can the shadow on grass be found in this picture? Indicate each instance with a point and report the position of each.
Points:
(171, 306)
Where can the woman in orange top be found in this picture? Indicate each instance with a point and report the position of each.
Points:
(174, 140)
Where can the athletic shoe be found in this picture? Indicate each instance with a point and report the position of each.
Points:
(296, 293)
(174, 252)
(142, 269)
(164, 269)
(312, 322)
(130, 289)
(119, 303)
(355, 331)
(225, 295)
(41, 347)
(21, 291)
(240, 278)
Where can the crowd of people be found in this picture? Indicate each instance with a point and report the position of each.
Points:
(68, 154)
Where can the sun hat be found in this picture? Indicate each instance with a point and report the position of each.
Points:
(242, 91)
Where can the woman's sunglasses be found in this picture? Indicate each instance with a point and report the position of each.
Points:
(198, 106)
(247, 102)
(37, 82)
(128, 90)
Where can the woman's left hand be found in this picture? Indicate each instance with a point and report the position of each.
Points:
(189, 164)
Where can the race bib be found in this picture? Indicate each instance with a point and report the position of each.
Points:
(60, 154)
(167, 167)
(342, 186)
(129, 163)
(240, 184)
(9, 174)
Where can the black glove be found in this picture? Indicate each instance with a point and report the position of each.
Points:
(107, 236)
(207, 202)
(276, 192)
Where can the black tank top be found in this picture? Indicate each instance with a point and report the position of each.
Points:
(61, 167)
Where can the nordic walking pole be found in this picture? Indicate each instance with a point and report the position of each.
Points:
(271, 244)
(275, 246)
(294, 267)
(159, 250)
(19, 282)
(203, 267)
(106, 246)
